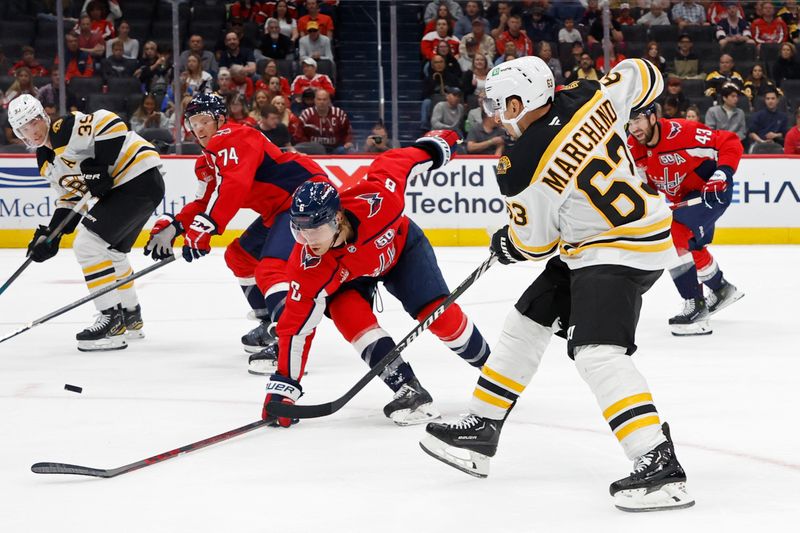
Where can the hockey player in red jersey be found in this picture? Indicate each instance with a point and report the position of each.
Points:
(347, 242)
(684, 160)
(240, 168)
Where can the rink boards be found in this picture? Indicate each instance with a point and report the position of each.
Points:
(456, 205)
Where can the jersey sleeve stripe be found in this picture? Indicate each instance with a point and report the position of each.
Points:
(547, 249)
(649, 82)
(110, 127)
(144, 153)
(105, 120)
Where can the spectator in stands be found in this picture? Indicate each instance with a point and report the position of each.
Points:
(511, 53)
(541, 26)
(274, 44)
(111, 8)
(686, 64)
(655, 17)
(194, 79)
(719, 10)
(79, 64)
(728, 116)
(249, 10)
(615, 58)
(325, 23)
(674, 89)
(590, 15)
(434, 84)
(567, 9)
(443, 12)
(241, 83)
(147, 115)
(474, 79)
(378, 140)
(585, 69)
(475, 115)
(314, 45)
(733, 28)
(790, 14)
(568, 34)
(238, 113)
(726, 74)
(449, 115)
(624, 18)
(451, 61)
(499, 22)
(49, 94)
(23, 84)
(786, 66)
(272, 89)
(286, 21)
(669, 108)
(693, 113)
(224, 86)
(234, 54)
(768, 28)
(207, 58)
(653, 54)
(595, 36)
(757, 84)
(90, 41)
(432, 9)
(30, 62)
(792, 144)
(261, 98)
(327, 125)
(288, 118)
(472, 16)
(270, 125)
(545, 52)
(514, 34)
(130, 45)
(310, 79)
(487, 138)
(467, 50)
(117, 65)
(102, 23)
(155, 70)
(483, 41)
(572, 61)
(689, 14)
(270, 71)
(770, 124)
(432, 39)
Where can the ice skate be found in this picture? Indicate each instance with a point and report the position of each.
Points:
(134, 326)
(466, 444)
(264, 362)
(259, 337)
(723, 297)
(411, 405)
(692, 320)
(107, 332)
(658, 482)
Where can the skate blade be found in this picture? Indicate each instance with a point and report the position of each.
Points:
(738, 295)
(701, 327)
(248, 348)
(669, 497)
(103, 345)
(407, 417)
(262, 367)
(134, 334)
(475, 464)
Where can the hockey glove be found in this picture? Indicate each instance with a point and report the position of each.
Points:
(39, 249)
(504, 249)
(162, 237)
(197, 241)
(715, 186)
(440, 144)
(284, 390)
(96, 177)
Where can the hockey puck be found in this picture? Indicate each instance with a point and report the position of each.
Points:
(73, 388)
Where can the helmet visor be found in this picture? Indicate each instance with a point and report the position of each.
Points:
(491, 106)
(319, 236)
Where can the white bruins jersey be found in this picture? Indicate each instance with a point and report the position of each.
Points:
(571, 185)
(81, 136)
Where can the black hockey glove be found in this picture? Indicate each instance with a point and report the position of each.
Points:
(504, 249)
(41, 251)
(96, 177)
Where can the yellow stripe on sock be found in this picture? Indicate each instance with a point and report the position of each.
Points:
(488, 398)
(626, 430)
(111, 278)
(508, 382)
(127, 285)
(625, 402)
(98, 266)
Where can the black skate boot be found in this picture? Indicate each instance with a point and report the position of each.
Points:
(692, 320)
(411, 405)
(657, 483)
(259, 337)
(723, 297)
(133, 323)
(466, 444)
(265, 362)
(107, 332)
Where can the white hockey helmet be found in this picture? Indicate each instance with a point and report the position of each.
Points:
(23, 109)
(528, 78)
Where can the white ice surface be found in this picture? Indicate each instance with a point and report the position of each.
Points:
(731, 399)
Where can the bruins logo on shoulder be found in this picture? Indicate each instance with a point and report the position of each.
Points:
(572, 85)
(57, 125)
(503, 164)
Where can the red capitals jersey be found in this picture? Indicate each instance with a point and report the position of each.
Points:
(686, 155)
(240, 168)
(374, 208)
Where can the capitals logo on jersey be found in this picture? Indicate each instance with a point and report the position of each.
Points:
(667, 184)
(309, 260)
(374, 200)
(674, 130)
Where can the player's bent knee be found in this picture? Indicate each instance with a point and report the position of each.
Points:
(239, 261)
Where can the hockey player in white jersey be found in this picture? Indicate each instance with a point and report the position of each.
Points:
(570, 187)
(95, 154)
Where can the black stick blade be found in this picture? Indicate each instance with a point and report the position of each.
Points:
(288, 410)
(63, 468)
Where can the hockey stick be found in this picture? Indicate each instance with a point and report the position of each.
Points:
(324, 409)
(50, 238)
(89, 298)
(686, 203)
(63, 468)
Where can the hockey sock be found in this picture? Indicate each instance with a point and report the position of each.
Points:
(254, 297)
(271, 278)
(458, 333)
(623, 395)
(373, 346)
(243, 266)
(123, 269)
(513, 363)
(684, 276)
(708, 271)
(275, 300)
(98, 268)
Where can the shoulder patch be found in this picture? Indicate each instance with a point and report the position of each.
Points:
(57, 125)
(61, 131)
(503, 164)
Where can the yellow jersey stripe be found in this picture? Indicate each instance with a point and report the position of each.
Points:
(626, 430)
(111, 278)
(142, 156)
(616, 407)
(646, 83)
(627, 230)
(119, 128)
(532, 249)
(98, 266)
(507, 382)
(650, 248)
(132, 149)
(488, 398)
(102, 122)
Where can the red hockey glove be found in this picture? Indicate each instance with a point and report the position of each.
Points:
(197, 241)
(714, 187)
(162, 237)
(441, 144)
(284, 390)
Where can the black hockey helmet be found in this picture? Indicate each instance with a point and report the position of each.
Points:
(314, 204)
(206, 104)
(650, 109)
